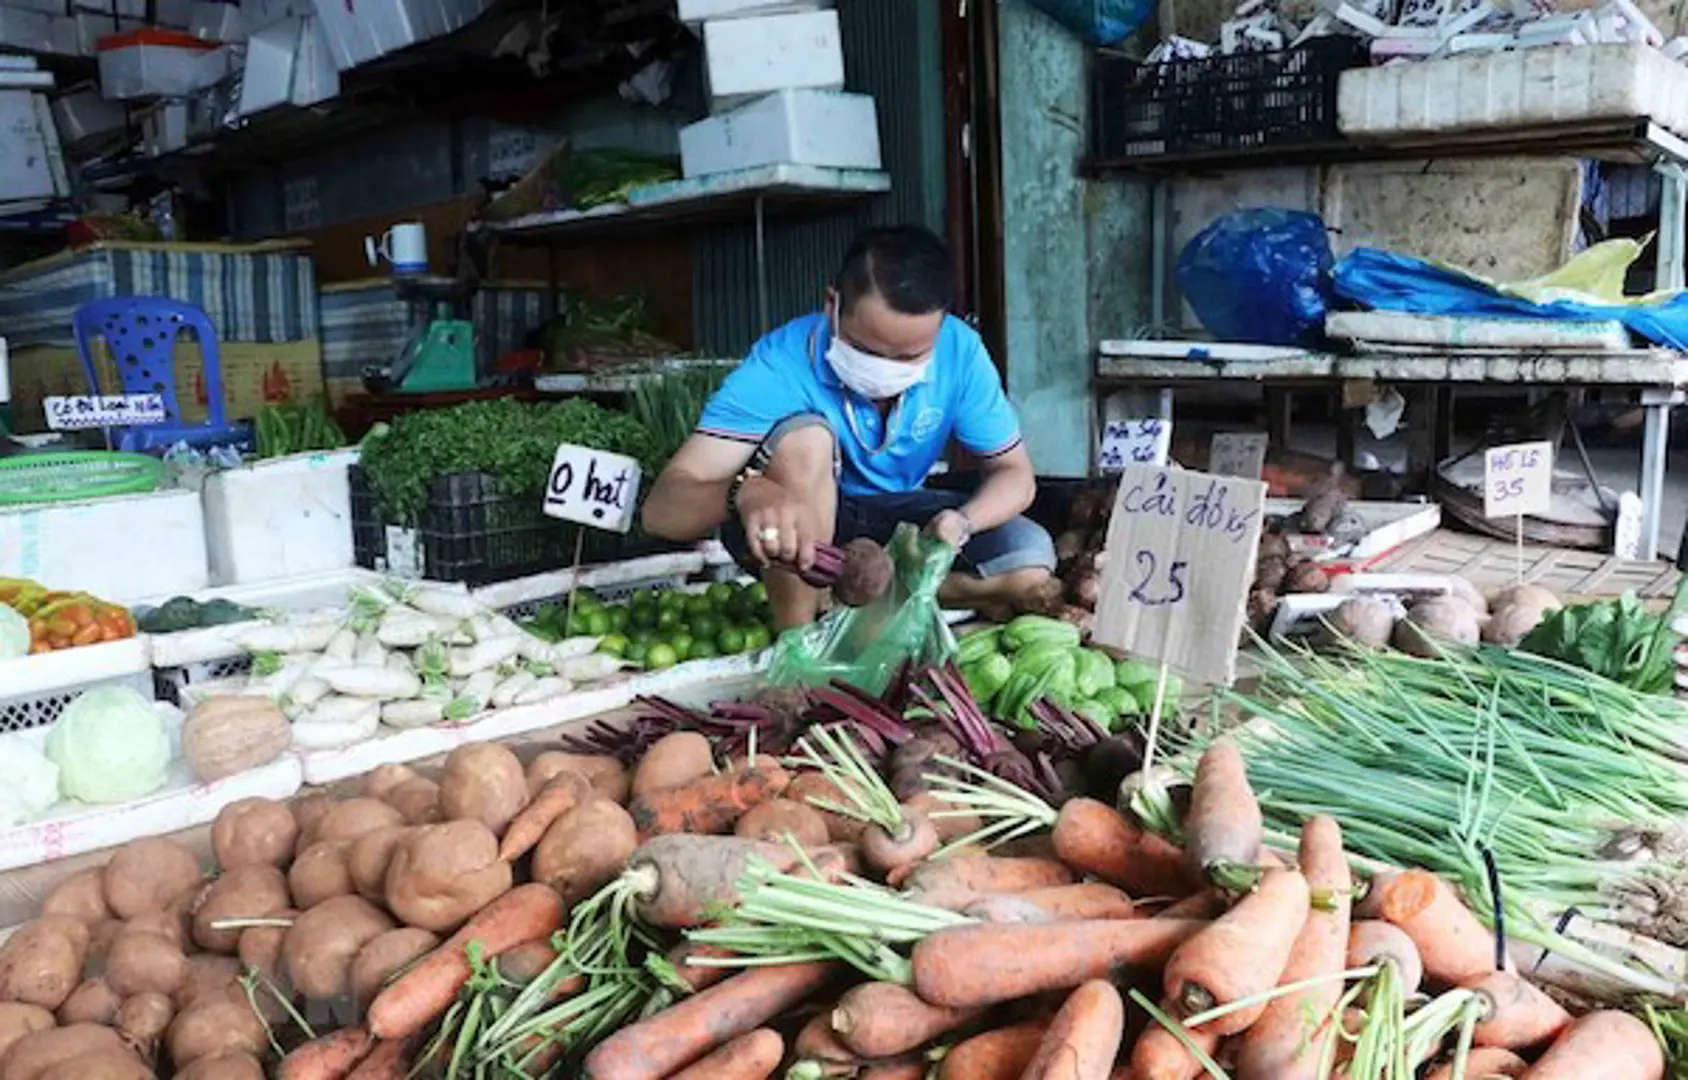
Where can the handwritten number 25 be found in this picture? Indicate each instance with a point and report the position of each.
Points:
(1171, 592)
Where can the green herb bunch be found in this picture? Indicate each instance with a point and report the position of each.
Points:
(669, 404)
(1618, 639)
(512, 441)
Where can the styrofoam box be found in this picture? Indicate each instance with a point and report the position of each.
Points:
(166, 63)
(696, 11)
(83, 114)
(1553, 84)
(796, 127)
(279, 519)
(750, 57)
(119, 549)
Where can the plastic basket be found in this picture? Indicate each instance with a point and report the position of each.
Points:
(69, 475)
(168, 683)
(34, 710)
(1245, 101)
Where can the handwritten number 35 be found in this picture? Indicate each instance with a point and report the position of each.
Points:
(1171, 592)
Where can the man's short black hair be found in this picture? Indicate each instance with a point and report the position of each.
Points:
(907, 265)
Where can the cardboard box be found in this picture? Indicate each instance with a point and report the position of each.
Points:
(697, 11)
(795, 127)
(747, 58)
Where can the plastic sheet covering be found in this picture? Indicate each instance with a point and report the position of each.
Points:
(1100, 22)
(866, 646)
(1259, 276)
(1588, 288)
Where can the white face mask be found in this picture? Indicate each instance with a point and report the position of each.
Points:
(873, 377)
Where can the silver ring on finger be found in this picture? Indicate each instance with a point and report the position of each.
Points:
(769, 535)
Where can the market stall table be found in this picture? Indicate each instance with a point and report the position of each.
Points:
(1660, 376)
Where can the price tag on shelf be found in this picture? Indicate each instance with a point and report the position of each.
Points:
(1142, 441)
(1241, 454)
(1181, 552)
(1518, 479)
(592, 487)
(86, 411)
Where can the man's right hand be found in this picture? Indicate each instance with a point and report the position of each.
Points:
(776, 524)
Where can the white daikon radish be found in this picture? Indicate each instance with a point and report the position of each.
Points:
(487, 654)
(306, 693)
(284, 638)
(381, 684)
(419, 712)
(504, 694)
(450, 601)
(591, 668)
(432, 660)
(473, 696)
(370, 652)
(337, 722)
(342, 647)
(543, 690)
(404, 628)
(397, 661)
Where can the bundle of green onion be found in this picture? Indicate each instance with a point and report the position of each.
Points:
(1570, 781)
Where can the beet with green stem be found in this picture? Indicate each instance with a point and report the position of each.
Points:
(858, 574)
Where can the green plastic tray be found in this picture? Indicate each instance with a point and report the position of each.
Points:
(69, 475)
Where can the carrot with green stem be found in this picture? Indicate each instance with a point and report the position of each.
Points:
(1483, 1063)
(1516, 1015)
(1609, 1045)
(1222, 830)
(1083, 1039)
(1171, 1051)
(880, 1020)
(1454, 946)
(896, 836)
(1241, 954)
(1286, 1042)
(1374, 942)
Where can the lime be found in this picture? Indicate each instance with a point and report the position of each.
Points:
(700, 604)
(682, 643)
(757, 638)
(672, 598)
(759, 593)
(719, 593)
(643, 615)
(614, 645)
(667, 619)
(579, 624)
(640, 636)
(704, 650)
(620, 618)
(661, 656)
(636, 652)
(598, 622)
(705, 625)
(585, 599)
(731, 640)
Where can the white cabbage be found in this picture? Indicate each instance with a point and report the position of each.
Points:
(110, 745)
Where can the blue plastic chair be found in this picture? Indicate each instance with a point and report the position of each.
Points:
(141, 333)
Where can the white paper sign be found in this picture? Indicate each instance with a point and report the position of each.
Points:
(593, 488)
(1518, 479)
(103, 410)
(1181, 551)
(1240, 454)
(1143, 441)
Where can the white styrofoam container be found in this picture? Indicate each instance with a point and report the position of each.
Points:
(1553, 84)
(696, 11)
(357, 34)
(746, 58)
(799, 127)
(119, 549)
(279, 519)
(28, 31)
(212, 20)
(45, 7)
(161, 63)
(83, 114)
(71, 669)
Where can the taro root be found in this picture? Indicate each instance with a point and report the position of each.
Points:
(1306, 577)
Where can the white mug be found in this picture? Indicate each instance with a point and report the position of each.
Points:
(405, 246)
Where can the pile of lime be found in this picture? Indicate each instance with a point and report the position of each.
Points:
(657, 629)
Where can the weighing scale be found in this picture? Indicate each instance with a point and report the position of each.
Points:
(440, 355)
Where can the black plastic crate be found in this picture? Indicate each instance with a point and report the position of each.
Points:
(1246, 101)
(472, 532)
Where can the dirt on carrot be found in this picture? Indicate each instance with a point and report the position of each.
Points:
(1000, 1054)
(1609, 1045)
(331, 1057)
(1083, 1040)
(710, 806)
(1222, 829)
(752, 1056)
(1240, 954)
(975, 874)
(879, 1020)
(1094, 838)
(971, 966)
(1517, 1015)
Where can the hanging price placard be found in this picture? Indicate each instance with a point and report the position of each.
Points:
(592, 487)
(1241, 454)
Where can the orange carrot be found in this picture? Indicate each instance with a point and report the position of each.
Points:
(1367, 906)
(561, 793)
(968, 966)
(1516, 1016)
(895, 1070)
(1094, 838)
(388, 1061)
(818, 1044)
(1483, 1063)
(1288, 1040)
(1373, 942)
(1240, 954)
(1222, 828)
(1159, 1055)
(332, 1057)
(913, 843)
(1207, 904)
(879, 1020)
(679, 1035)
(1002, 1054)
(416, 998)
(1609, 1045)
(1086, 900)
(753, 1056)
(1083, 1039)
(696, 976)
(1454, 946)
(974, 874)
(711, 805)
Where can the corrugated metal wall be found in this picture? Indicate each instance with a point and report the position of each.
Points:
(891, 50)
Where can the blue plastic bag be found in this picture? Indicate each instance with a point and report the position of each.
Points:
(1390, 282)
(1099, 22)
(1260, 276)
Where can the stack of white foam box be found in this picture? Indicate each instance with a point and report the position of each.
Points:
(776, 80)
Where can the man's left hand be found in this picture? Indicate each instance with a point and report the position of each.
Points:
(952, 527)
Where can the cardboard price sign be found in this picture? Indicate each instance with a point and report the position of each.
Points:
(1241, 454)
(1181, 552)
(592, 487)
(1144, 441)
(1518, 479)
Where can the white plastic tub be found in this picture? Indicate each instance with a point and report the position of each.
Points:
(34, 690)
(284, 518)
(120, 549)
(157, 63)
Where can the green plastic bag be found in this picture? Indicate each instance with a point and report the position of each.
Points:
(866, 646)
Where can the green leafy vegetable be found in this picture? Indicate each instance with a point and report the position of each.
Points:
(1617, 639)
(110, 746)
(669, 404)
(296, 429)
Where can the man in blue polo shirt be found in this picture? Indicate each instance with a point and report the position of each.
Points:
(829, 428)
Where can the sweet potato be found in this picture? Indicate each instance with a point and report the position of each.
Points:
(308, 812)
(214, 1026)
(42, 963)
(483, 782)
(141, 960)
(442, 874)
(781, 818)
(384, 779)
(122, 1064)
(245, 892)
(31, 1056)
(385, 955)
(254, 832)
(325, 940)
(144, 1018)
(170, 924)
(370, 856)
(674, 760)
(321, 872)
(92, 1002)
(607, 775)
(206, 975)
(18, 1019)
(260, 948)
(417, 801)
(234, 1065)
(355, 817)
(585, 849)
(100, 937)
(146, 875)
(80, 896)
